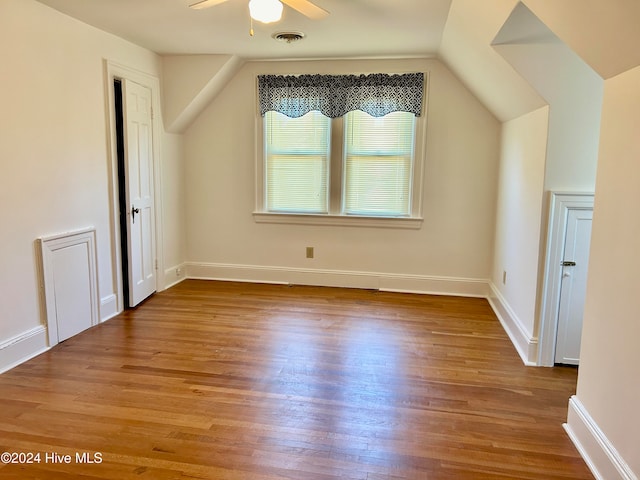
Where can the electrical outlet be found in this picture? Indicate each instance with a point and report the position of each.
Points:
(178, 272)
(504, 277)
(309, 252)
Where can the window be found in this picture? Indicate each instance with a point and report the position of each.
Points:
(378, 163)
(297, 163)
(353, 168)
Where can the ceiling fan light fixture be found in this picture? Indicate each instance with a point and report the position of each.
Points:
(265, 11)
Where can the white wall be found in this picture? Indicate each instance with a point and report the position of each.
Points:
(466, 48)
(574, 93)
(174, 225)
(519, 216)
(455, 241)
(189, 83)
(53, 147)
(604, 34)
(567, 158)
(572, 89)
(608, 386)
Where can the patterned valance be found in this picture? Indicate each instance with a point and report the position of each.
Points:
(334, 95)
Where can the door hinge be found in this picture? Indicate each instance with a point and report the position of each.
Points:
(156, 263)
(151, 113)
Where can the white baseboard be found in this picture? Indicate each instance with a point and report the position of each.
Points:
(339, 278)
(459, 287)
(23, 347)
(598, 452)
(524, 343)
(108, 307)
(174, 275)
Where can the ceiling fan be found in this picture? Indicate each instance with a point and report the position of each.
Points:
(268, 11)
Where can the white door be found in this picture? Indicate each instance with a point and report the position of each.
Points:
(573, 286)
(139, 190)
(72, 287)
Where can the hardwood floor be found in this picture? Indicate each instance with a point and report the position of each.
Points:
(214, 380)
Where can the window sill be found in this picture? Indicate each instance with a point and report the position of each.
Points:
(412, 223)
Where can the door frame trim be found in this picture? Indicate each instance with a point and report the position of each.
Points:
(560, 204)
(113, 71)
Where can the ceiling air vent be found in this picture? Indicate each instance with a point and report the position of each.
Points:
(288, 37)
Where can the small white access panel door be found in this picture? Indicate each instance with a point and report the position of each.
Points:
(70, 283)
(573, 287)
(138, 136)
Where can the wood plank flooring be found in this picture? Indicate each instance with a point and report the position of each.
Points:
(229, 381)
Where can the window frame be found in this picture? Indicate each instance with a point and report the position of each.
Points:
(354, 153)
(290, 151)
(336, 168)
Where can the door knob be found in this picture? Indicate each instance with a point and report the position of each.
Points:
(134, 210)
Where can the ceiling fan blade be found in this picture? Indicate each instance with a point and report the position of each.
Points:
(307, 8)
(205, 4)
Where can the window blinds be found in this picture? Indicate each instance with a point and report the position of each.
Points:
(297, 163)
(378, 164)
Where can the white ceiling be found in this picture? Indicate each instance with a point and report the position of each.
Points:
(605, 34)
(460, 32)
(354, 28)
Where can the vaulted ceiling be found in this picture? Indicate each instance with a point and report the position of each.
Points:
(353, 28)
(460, 32)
